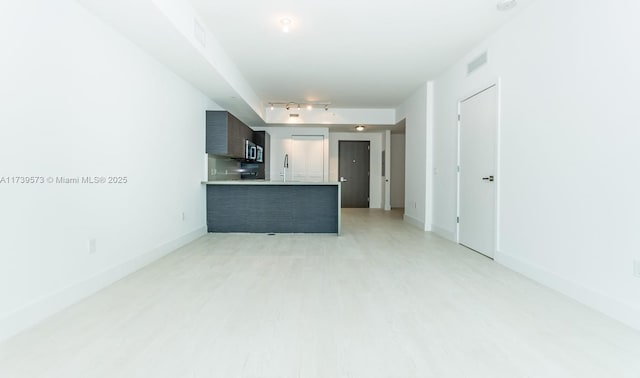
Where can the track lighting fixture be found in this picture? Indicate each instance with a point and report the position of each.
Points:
(299, 105)
(286, 23)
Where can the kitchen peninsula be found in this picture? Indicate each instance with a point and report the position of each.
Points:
(238, 202)
(255, 206)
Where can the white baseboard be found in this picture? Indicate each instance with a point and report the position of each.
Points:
(443, 233)
(41, 309)
(623, 312)
(413, 221)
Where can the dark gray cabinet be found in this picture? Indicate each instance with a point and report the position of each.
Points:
(226, 135)
(262, 138)
(273, 208)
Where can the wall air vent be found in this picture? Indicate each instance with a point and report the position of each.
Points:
(294, 115)
(478, 62)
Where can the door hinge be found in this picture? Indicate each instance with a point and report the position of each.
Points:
(368, 148)
(458, 117)
(458, 168)
(368, 174)
(457, 219)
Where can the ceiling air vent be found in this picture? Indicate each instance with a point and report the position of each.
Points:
(478, 62)
(294, 115)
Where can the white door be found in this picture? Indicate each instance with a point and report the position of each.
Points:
(478, 151)
(307, 158)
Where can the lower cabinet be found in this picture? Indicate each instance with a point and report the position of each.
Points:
(273, 208)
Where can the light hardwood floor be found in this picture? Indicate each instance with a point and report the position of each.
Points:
(383, 300)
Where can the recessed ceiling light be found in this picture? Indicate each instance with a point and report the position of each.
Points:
(285, 22)
(505, 5)
(359, 128)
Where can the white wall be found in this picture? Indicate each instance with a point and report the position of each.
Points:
(569, 193)
(376, 200)
(281, 144)
(397, 170)
(80, 100)
(182, 15)
(172, 32)
(419, 129)
(333, 116)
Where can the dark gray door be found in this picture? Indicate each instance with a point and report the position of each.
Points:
(353, 172)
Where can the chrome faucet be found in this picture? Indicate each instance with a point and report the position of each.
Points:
(285, 165)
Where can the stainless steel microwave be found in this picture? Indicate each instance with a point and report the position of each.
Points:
(250, 150)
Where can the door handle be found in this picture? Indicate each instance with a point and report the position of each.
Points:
(490, 178)
(342, 179)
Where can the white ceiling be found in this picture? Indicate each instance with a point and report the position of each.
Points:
(352, 53)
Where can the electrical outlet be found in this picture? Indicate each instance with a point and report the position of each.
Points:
(92, 246)
(636, 268)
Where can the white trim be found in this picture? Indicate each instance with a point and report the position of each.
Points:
(459, 112)
(498, 165)
(414, 221)
(621, 311)
(428, 185)
(387, 174)
(444, 233)
(42, 308)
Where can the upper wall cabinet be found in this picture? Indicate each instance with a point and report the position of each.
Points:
(226, 135)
